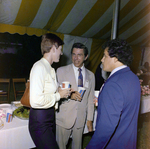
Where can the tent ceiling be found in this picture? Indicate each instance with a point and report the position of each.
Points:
(86, 18)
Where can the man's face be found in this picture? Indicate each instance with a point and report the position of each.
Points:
(107, 61)
(78, 57)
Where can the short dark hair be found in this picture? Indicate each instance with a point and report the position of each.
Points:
(48, 40)
(120, 49)
(80, 46)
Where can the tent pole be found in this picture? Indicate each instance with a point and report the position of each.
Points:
(115, 20)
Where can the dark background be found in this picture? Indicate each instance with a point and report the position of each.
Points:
(19, 64)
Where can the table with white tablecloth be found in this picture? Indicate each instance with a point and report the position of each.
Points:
(15, 135)
(145, 104)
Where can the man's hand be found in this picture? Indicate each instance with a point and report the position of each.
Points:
(89, 126)
(76, 96)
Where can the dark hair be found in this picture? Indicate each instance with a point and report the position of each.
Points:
(120, 49)
(48, 40)
(80, 46)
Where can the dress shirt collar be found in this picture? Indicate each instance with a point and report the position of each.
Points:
(117, 69)
(76, 68)
(48, 65)
(45, 61)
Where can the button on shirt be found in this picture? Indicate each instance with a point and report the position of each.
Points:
(76, 72)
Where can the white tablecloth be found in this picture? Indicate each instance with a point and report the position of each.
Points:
(15, 135)
(145, 104)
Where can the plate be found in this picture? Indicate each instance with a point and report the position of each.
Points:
(22, 113)
(16, 104)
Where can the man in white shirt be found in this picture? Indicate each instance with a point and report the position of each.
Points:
(73, 112)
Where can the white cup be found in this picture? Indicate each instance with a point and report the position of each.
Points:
(96, 93)
(81, 90)
(65, 84)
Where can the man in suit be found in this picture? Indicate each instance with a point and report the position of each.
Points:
(73, 112)
(118, 101)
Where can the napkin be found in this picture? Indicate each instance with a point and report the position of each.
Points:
(2, 113)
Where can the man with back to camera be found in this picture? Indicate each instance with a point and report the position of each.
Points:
(72, 114)
(118, 102)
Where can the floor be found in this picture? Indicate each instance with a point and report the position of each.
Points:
(143, 137)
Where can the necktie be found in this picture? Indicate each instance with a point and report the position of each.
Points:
(80, 78)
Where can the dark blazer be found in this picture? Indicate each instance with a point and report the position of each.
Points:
(118, 108)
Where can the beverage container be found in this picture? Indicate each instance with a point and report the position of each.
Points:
(65, 84)
(96, 93)
(81, 90)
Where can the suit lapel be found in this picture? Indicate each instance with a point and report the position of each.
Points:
(87, 78)
(71, 77)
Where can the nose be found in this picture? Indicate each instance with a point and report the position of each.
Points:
(75, 56)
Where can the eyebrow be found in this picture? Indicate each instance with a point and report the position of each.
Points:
(78, 53)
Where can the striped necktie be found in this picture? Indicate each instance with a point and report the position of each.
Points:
(80, 78)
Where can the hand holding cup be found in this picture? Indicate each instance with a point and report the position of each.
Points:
(64, 93)
(81, 90)
(76, 96)
(65, 89)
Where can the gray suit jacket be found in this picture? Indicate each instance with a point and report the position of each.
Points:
(72, 110)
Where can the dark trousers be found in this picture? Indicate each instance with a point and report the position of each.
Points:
(42, 128)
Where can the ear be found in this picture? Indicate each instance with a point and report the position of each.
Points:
(53, 49)
(86, 57)
(115, 59)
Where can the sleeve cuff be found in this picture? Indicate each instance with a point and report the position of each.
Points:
(57, 96)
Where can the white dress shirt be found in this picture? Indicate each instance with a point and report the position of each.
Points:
(43, 85)
(117, 69)
(76, 72)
